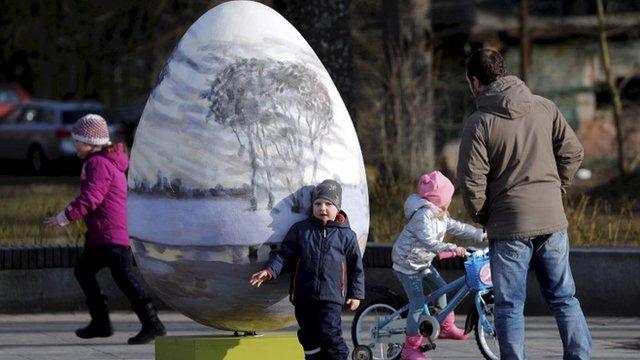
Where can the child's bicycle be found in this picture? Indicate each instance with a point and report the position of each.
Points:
(378, 328)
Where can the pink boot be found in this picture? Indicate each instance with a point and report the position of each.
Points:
(411, 350)
(449, 330)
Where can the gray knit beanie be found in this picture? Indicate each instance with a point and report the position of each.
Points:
(330, 190)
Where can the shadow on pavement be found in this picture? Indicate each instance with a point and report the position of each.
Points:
(627, 345)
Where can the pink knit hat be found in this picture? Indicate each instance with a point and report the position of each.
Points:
(91, 129)
(436, 188)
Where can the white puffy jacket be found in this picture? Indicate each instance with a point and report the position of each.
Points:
(422, 237)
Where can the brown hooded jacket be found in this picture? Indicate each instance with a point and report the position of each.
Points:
(517, 155)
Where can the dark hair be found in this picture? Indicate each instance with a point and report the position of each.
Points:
(486, 65)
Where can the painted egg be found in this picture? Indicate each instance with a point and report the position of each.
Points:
(243, 122)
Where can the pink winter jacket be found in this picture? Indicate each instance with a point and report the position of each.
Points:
(103, 198)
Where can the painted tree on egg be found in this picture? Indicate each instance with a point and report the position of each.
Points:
(276, 110)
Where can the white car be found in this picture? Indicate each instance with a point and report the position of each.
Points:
(40, 130)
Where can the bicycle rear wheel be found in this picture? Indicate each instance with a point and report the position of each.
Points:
(488, 343)
(365, 331)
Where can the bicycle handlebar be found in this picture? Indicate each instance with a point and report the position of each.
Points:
(446, 255)
(450, 253)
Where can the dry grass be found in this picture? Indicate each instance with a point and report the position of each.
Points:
(592, 221)
(27, 202)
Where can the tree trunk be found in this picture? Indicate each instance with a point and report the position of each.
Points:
(615, 93)
(109, 70)
(525, 40)
(81, 78)
(409, 101)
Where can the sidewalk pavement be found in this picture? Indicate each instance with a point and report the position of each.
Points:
(51, 337)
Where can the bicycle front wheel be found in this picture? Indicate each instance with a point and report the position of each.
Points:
(488, 343)
(365, 331)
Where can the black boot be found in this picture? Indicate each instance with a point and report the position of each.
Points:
(100, 325)
(151, 325)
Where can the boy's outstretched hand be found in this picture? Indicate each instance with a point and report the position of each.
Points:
(352, 304)
(258, 278)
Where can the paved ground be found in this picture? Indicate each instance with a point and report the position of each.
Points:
(50, 337)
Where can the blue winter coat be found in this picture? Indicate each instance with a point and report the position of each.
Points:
(326, 260)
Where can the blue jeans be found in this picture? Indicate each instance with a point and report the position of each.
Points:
(509, 266)
(414, 289)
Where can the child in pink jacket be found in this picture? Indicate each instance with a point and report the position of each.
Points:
(103, 205)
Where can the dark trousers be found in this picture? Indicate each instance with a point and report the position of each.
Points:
(320, 331)
(119, 260)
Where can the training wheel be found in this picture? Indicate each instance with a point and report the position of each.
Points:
(362, 352)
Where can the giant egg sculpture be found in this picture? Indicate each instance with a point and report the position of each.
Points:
(243, 122)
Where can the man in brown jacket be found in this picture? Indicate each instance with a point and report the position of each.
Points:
(517, 156)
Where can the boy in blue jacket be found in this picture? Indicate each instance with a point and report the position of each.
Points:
(328, 273)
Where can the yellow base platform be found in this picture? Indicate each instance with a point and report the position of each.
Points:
(264, 347)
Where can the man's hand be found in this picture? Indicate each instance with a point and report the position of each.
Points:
(352, 304)
(258, 278)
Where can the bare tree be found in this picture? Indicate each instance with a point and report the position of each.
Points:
(615, 92)
(279, 112)
(525, 40)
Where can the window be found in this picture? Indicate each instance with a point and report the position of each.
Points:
(629, 93)
(46, 116)
(32, 115)
(12, 117)
(9, 97)
(28, 116)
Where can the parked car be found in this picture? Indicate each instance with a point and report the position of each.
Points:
(11, 95)
(40, 130)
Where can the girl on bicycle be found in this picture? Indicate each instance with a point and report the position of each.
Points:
(420, 240)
